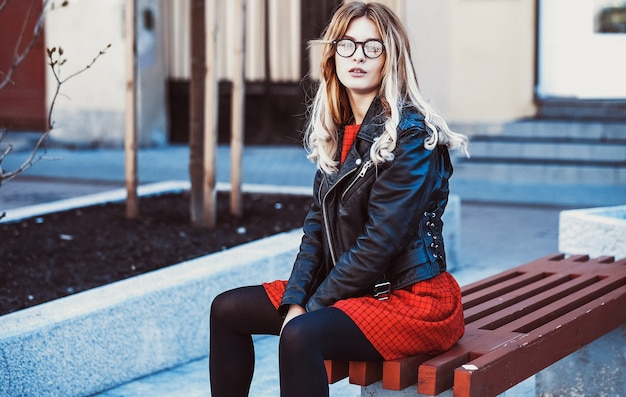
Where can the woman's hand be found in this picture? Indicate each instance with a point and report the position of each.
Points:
(293, 312)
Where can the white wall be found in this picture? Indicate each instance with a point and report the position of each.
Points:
(90, 108)
(574, 60)
(92, 103)
(475, 58)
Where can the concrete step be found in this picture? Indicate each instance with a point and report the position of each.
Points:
(556, 150)
(513, 161)
(541, 172)
(597, 130)
(538, 128)
(562, 152)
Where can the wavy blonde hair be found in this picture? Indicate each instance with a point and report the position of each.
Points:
(330, 108)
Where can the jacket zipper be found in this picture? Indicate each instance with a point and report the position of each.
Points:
(325, 216)
(366, 166)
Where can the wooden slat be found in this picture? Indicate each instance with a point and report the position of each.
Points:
(531, 303)
(477, 286)
(365, 373)
(497, 290)
(582, 274)
(572, 265)
(336, 370)
(402, 373)
(437, 374)
(509, 298)
(606, 309)
(584, 265)
(545, 313)
(513, 272)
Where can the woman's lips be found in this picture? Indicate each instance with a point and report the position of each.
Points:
(356, 72)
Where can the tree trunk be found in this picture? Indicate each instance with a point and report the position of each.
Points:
(210, 114)
(130, 141)
(196, 105)
(238, 109)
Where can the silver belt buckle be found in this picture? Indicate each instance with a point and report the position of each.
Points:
(382, 291)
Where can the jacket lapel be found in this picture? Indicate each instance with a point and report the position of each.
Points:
(371, 128)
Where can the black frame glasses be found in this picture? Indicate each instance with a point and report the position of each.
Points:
(372, 48)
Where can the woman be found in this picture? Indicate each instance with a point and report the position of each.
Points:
(369, 281)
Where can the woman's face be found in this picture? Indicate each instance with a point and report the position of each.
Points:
(359, 74)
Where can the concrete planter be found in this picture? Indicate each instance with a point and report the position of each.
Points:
(594, 231)
(92, 341)
(596, 369)
(100, 338)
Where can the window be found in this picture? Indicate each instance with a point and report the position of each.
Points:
(610, 16)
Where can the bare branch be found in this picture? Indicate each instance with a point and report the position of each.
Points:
(59, 62)
(5, 78)
(3, 4)
(18, 57)
(9, 149)
(55, 64)
(29, 162)
(6, 151)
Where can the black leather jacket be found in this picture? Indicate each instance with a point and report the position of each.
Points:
(370, 223)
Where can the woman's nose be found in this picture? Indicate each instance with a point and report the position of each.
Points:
(359, 53)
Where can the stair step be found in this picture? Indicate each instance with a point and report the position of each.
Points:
(589, 174)
(515, 149)
(535, 128)
(592, 130)
(538, 193)
(547, 151)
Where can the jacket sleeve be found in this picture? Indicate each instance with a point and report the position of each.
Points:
(308, 261)
(403, 187)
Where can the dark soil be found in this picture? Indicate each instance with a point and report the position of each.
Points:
(51, 256)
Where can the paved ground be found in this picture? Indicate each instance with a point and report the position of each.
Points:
(508, 230)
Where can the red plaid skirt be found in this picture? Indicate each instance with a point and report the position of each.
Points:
(426, 317)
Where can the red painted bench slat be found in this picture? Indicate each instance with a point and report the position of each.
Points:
(365, 373)
(336, 370)
(400, 374)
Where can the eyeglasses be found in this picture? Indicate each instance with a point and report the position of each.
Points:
(347, 47)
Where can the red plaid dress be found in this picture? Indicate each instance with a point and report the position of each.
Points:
(426, 317)
(349, 135)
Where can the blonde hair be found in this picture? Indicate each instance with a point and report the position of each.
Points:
(330, 108)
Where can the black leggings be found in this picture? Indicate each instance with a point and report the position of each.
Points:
(304, 344)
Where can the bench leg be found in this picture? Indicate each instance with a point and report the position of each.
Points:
(598, 369)
(376, 390)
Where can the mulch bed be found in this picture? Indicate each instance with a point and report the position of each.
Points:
(51, 256)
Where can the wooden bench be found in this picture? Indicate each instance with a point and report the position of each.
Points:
(518, 322)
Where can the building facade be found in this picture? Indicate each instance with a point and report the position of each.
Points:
(482, 63)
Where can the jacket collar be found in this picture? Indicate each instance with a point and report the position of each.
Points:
(373, 122)
(371, 128)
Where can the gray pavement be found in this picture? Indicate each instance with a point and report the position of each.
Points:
(501, 226)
